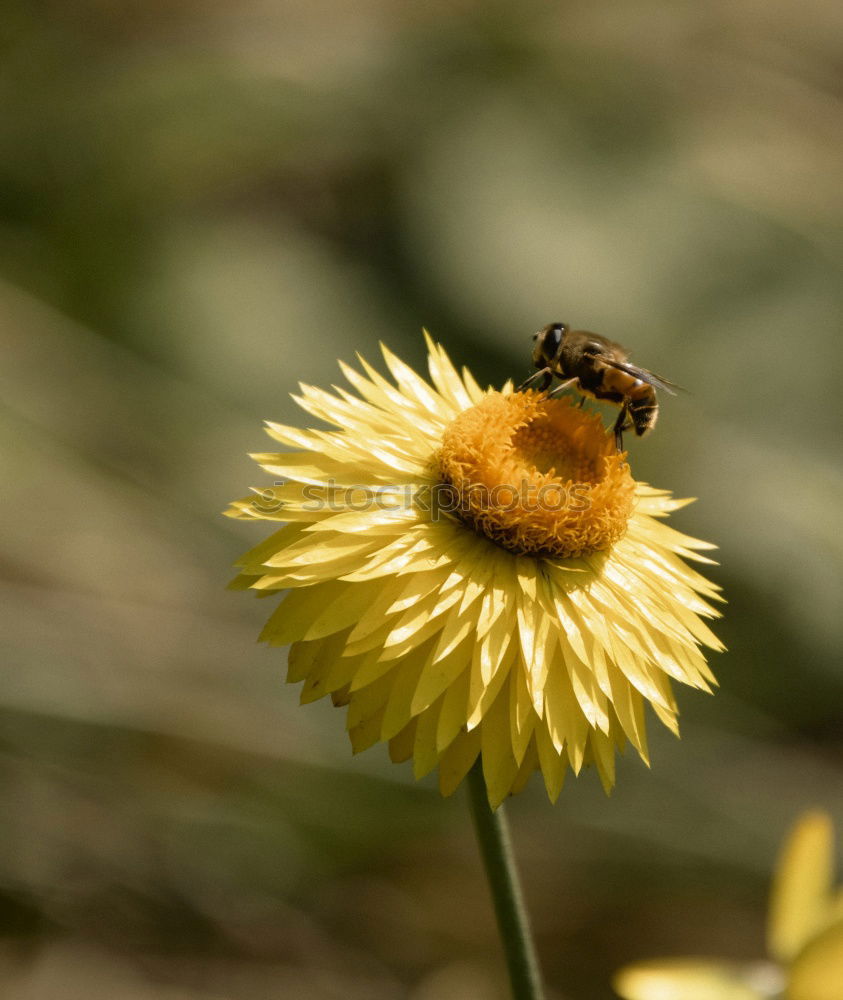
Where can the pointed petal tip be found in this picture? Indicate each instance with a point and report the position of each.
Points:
(496, 800)
(607, 783)
(554, 793)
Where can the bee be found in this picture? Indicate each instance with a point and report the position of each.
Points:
(598, 369)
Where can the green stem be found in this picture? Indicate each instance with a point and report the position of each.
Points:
(513, 922)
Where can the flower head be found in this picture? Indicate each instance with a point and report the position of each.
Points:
(804, 937)
(476, 573)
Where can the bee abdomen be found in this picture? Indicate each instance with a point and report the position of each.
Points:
(644, 412)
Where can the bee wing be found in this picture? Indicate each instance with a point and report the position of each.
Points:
(641, 373)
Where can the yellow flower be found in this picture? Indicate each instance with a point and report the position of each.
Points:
(475, 573)
(804, 937)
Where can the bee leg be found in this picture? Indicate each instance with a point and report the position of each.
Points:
(622, 424)
(561, 388)
(581, 403)
(545, 375)
(619, 428)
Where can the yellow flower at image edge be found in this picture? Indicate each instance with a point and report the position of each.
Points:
(804, 937)
(475, 573)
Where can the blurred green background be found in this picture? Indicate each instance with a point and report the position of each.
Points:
(201, 204)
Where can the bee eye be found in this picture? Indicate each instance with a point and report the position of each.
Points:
(553, 337)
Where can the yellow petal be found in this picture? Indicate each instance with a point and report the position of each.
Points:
(425, 752)
(564, 719)
(369, 703)
(367, 733)
(401, 745)
(553, 765)
(480, 695)
(445, 377)
(439, 674)
(342, 610)
(454, 712)
(522, 717)
(817, 972)
(456, 761)
(629, 707)
(300, 659)
(603, 754)
(292, 619)
(499, 765)
(689, 979)
(404, 681)
(412, 383)
(801, 891)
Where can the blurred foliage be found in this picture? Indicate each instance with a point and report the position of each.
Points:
(201, 204)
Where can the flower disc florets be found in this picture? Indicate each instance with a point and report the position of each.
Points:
(537, 475)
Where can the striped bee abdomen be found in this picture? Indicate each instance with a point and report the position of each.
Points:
(643, 408)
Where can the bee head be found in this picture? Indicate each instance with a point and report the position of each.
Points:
(546, 343)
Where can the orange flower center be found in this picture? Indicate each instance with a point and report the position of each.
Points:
(538, 476)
